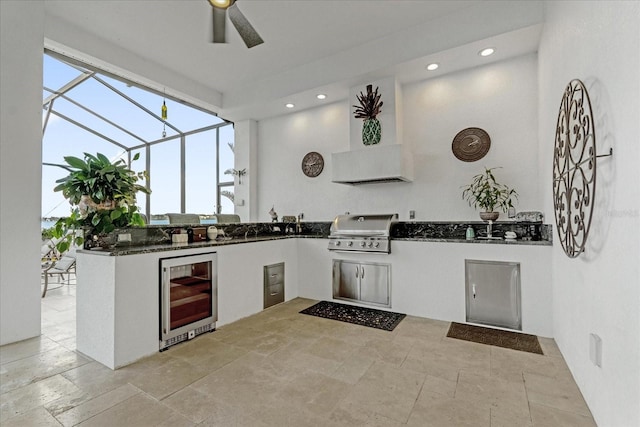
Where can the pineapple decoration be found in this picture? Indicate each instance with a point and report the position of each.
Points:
(368, 109)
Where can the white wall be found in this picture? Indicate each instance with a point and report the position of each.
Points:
(245, 157)
(500, 98)
(20, 170)
(599, 43)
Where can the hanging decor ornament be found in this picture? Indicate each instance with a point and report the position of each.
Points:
(164, 118)
(369, 108)
(574, 168)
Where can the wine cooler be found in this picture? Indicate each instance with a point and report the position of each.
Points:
(188, 297)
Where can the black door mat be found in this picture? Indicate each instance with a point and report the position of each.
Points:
(379, 319)
(495, 337)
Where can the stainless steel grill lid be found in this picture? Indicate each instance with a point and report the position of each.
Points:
(361, 233)
(378, 225)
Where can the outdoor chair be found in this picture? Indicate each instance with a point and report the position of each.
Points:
(65, 265)
(226, 218)
(48, 250)
(183, 218)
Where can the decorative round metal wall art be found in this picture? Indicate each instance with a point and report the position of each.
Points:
(574, 169)
(471, 144)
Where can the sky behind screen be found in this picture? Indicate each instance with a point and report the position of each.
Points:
(63, 138)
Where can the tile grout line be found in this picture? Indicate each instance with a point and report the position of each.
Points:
(526, 393)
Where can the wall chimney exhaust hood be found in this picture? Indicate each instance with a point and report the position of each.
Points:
(388, 161)
(374, 164)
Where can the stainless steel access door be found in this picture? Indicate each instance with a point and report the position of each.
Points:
(374, 283)
(346, 279)
(493, 293)
(363, 282)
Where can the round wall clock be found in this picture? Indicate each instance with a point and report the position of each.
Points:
(312, 164)
(471, 144)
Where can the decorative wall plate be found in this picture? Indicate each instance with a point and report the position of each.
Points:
(471, 144)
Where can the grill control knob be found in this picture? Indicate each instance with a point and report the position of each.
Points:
(350, 244)
(362, 244)
(370, 244)
(338, 243)
(376, 245)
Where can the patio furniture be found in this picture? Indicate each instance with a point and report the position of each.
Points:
(226, 218)
(65, 265)
(183, 218)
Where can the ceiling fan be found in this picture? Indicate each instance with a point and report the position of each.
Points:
(220, 7)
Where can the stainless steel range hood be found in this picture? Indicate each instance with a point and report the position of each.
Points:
(373, 164)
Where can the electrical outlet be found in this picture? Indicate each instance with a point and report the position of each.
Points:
(191, 334)
(125, 237)
(412, 214)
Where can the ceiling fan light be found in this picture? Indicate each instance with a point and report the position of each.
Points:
(220, 3)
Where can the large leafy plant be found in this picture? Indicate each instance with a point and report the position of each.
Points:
(103, 197)
(487, 194)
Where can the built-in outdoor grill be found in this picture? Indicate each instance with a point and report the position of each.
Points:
(361, 233)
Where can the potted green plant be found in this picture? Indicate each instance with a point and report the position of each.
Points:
(103, 197)
(486, 194)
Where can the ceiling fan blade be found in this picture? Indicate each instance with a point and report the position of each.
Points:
(219, 18)
(249, 35)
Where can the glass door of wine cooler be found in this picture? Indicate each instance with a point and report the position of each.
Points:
(188, 293)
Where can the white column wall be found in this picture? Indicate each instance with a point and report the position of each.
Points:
(599, 292)
(246, 157)
(21, 41)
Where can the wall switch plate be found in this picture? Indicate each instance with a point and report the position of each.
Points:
(124, 237)
(595, 350)
(240, 202)
(412, 214)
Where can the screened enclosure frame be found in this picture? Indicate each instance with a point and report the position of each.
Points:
(88, 73)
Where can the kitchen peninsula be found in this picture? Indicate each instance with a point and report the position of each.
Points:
(118, 300)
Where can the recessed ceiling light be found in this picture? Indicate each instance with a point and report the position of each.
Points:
(486, 52)
(321, 96)
(432, 67)
(289, 105)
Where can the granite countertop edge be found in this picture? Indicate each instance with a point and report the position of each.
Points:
(138, 250)
(484, 241)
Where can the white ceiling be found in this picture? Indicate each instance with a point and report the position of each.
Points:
(311, 46)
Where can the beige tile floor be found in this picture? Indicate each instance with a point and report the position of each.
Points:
(282, 368)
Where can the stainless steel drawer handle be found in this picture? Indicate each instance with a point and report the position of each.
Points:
(274, 293)
(274, 275)
(362, 274)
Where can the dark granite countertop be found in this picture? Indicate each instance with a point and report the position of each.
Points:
(484, 241)
(155, 239)
(162, 247)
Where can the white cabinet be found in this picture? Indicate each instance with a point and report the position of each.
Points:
(429, 280)
(118, 303)
(241, 276)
